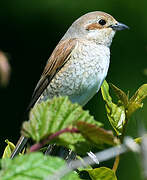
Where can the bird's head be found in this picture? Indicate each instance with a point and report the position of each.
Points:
(95, 26)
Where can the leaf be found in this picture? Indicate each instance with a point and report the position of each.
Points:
(123, 98)
(90, 136)
(105, 92)
(136, 100)
(32, 166)
(76, 142)
(102, 173)
(138, 140)
(54, 115)
(96, 134)
(115, 113)
(140, 94)
(116, 116)
(9, 149)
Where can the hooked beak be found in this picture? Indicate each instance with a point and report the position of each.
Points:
(119, 26)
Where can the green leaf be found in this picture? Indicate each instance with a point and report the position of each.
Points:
(136, 100)
(33, 166)
(123, 98)
(52, 116)
(92, 137)
(75, 142)
(9, 149)
(105, 92)
(115, 113)
(138, 140)
(96, 134)
(48, 118)
(116, 116)
(102, 173)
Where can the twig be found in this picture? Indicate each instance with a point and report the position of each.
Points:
(116, 163)
(144, 156)
(101, 156)
(39, 145)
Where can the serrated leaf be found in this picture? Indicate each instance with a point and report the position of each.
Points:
(74, 141)
(96, 134)
(122, 97)
(115, 113)
(102, 173)
(52, 116)
(9, 149)
(136, 100)
(5, 163)
(34, 166)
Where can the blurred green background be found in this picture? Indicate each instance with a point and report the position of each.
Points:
(29, 31)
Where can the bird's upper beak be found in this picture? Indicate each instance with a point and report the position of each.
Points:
(119, 26)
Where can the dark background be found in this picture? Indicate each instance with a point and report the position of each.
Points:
(29, 31)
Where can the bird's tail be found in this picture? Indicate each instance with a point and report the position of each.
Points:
(19, 146)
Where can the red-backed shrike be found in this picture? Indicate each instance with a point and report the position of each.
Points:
(79, 63)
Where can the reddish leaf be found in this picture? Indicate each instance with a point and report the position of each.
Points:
(96, 134)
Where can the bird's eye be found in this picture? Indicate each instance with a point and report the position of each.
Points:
(102, 22)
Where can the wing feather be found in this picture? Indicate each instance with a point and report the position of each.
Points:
(57, 60)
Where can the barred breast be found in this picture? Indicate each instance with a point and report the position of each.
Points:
(82, 76)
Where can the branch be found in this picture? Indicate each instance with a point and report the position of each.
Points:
(129, 145)
(39, 145)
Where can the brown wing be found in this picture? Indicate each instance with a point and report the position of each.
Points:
(57, 60)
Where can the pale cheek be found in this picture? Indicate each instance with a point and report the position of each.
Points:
(94, 34)
(103, 36)
(109, 33)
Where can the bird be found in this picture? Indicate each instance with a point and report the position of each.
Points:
(79, 63)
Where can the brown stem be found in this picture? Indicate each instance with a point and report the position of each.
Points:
(116, 163)
(39, 145)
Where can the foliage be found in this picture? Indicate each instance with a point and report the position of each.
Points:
(102, 173)
(115, 113)
(96, 134)
(118, 114)
(32, 166)
(61, 122)
(52, 116)
(9, 149)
